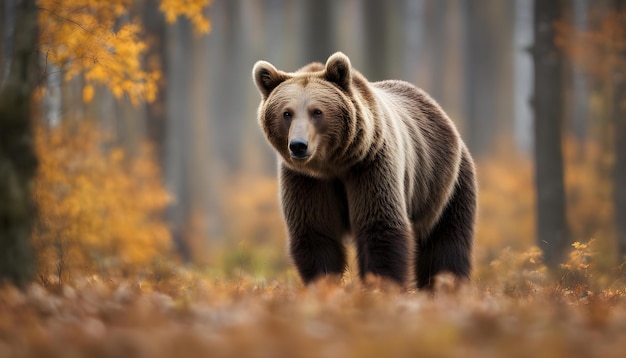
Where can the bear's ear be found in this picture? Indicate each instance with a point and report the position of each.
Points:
(338, 70)
(266, 77)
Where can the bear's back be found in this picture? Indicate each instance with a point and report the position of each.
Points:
(421, 110)
(412, 98)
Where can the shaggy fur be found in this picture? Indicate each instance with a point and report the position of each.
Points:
(377, 161)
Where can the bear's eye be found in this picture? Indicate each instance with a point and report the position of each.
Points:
(286, 114)
(317, 113)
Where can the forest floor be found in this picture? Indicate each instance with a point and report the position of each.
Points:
(512, 308)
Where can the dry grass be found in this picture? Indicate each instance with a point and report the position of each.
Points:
(513, 308)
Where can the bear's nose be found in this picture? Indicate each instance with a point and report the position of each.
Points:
(298, 148)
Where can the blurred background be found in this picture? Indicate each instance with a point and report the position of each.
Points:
(181, 166)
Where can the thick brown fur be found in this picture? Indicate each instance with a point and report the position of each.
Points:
(380, 162)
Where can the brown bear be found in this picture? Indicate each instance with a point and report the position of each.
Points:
(378, 161)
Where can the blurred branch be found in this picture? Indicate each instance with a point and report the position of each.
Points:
(72, 22)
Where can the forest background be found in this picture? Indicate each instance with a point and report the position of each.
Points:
(148, 144)
(150, 161)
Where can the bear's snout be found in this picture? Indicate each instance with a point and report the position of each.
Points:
(298, 148)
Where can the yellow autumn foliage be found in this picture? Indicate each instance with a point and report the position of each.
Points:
(192, 9)
(99, 210)
(99, 40)
(598, 50)
(80, 37)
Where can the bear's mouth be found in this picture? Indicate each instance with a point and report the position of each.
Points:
(300, 156)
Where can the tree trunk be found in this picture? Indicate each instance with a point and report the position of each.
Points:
(7, 30)
(436, 43)
(154, 28)
(580, 84)
(619, 169)
(318, 31)
(178, 118)
(552, 236)
(376, 39)
(619, 131)
(479, 82)
(523, 76)
(17, 158)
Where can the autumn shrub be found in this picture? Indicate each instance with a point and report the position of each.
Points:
(585, 271)
(578, 270)
(507, 200)
(589, 189)
(522, 273)
(98, 210)
(515, 273)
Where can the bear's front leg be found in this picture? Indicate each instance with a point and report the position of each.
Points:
(315, 212)
(380, 224)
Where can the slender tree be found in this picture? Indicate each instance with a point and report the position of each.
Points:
(155, 58)
(580, 83)
(318, 30)
(376, 46)
(619, 122)
(488, 72)
(178, 118)
(552, 234)
(17, 158)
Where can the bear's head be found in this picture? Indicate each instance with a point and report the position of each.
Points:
(308, 116)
